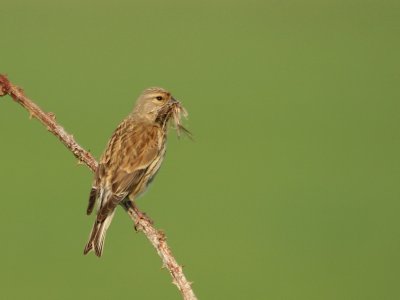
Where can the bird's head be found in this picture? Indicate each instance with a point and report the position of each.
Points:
(152, 101)
(158, 105)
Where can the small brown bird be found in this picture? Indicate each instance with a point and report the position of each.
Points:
(132, 158)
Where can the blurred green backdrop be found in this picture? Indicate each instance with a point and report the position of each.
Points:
(291, 188)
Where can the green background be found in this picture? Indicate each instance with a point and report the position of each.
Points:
(290, 189)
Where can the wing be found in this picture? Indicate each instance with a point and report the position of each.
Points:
(131, 151)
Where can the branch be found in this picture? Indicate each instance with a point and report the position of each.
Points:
(156, 237)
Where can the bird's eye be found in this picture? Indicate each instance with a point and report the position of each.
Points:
(159, 98)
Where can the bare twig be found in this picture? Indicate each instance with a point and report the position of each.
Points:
(156, 237)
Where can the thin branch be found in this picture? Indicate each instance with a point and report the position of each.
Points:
(156, 237)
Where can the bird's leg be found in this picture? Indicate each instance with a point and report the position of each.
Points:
(141, 215)
(126, 203)
(129, 204)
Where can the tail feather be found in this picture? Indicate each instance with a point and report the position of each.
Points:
(98, 235)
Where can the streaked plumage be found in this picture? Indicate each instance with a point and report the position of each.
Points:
(132, 158)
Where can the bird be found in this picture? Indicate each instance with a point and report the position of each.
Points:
(131, 159)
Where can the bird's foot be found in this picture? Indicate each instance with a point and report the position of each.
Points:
(141, 216)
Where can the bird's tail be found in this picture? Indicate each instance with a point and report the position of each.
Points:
(98, 234)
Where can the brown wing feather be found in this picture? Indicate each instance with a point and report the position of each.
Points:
(126, 161)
